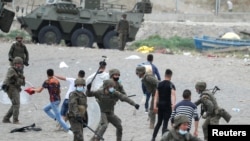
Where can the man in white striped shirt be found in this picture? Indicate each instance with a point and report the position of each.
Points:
(186, 107)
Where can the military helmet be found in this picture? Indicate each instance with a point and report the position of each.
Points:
(201, 86)
(113, 71)
(108, 83)
(179, 119)
(79, 81)
(140, 70)
(19, 37)
(18, 60)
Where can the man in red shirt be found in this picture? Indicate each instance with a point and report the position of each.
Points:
(52, 109)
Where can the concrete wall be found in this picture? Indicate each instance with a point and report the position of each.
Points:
(222, 17)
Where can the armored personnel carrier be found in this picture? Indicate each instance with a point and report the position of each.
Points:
(6, 16)
(90, 22)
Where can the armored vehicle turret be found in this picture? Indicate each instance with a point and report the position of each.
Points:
(90, 22)
(6, 16)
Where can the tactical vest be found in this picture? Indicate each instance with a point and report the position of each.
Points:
(19, 50)
(217, 110)
(80, 104)
(107, 102)
(17, 79)
(211, 97)
(123, 26)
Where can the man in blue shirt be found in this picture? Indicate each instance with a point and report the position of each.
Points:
(156, 73)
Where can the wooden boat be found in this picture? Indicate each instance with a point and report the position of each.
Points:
(206, 42)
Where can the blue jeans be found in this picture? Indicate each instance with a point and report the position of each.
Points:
(65, 107)
(148, 94)
(54, 106)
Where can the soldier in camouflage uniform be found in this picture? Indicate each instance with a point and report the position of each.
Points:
(12, 86)
(20, 50)
(179, 131)
(107, 97)
(114, 75)
(212, 112)
(150, 82)
(77, 109)
(123, 30)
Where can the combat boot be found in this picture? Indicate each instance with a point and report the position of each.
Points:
(6, 120)
(119, 139)
(16, 122)
(151, 125)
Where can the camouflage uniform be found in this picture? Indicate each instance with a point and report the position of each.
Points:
(123, 31)
(118, 87)
(213, 112)
(107, 101)
(20, 50)
(77, 111)
(150, 82)
(14, 80)
(174, 135)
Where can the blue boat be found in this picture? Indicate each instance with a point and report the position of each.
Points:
(206, 43)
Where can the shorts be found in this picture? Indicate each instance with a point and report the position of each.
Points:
(65, 107)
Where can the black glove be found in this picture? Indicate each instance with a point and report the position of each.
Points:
(26, 63)
(137, 106)
(10, 59)
(89, 86)
(5, 87)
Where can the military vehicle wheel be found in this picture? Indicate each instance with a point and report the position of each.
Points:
(110, 41)
(82, 37)
(49, 35)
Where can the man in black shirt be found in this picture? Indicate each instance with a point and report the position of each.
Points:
(164, 102)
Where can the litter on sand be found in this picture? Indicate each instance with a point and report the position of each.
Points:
(63, 65)
(133, 57)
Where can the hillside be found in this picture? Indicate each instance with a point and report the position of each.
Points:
(159, 6)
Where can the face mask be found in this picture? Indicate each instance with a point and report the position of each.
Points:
(80, 89)
(182, 132)
(116, 79)
(111, 90)
(18, 68)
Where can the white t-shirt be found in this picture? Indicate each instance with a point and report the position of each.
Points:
(71, 86)
(98, 81)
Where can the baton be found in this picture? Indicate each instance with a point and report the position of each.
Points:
(131, 95)
(98, 69)
(99, 136)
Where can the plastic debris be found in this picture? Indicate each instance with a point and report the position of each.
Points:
(236, 109)
(63, 65)
(187, 53)
(133, 57)
(145, 49)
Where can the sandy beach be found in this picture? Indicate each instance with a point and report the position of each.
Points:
(230, 74)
